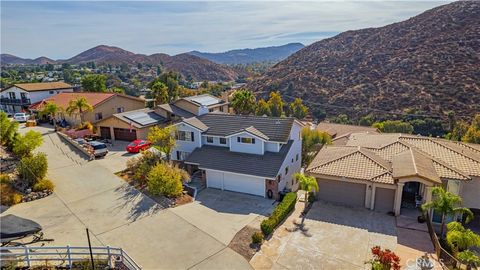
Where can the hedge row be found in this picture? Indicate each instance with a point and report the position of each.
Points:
(279, 213)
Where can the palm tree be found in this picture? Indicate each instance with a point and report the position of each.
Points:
(79, 106)
(307, 183)
(447, 204)
(51, 109)
(243, 102)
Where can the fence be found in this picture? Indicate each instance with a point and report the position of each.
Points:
(67, 255)
(444, 257)
(69, 140)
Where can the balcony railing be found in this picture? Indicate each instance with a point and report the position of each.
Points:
(15, 101)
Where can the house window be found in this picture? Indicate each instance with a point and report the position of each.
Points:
(23, 96)
(246, 140)
(296, 157)
(181, 155)
(279, 177)
(11, 95)
(286, 170)
(120, 109)
(209, 139)
(210, 110)
(98, 116)
(223, 141)
(51, 92)
(221, 108)
(185, 136)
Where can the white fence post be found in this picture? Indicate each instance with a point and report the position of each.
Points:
(109, 257)
(69, 257)
(27, 256)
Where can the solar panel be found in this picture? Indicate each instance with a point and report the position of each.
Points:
(205, 100)
(144, 118)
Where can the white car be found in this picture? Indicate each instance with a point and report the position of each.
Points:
(21, 117)
(99, 148)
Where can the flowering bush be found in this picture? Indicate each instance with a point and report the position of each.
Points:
(384, 259)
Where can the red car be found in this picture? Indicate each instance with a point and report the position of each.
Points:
(137, 145)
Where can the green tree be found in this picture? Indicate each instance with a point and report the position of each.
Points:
(473, 132)
(78, 106)
(25, 144)
(117, 90)
(165, 179)
(307, 184)
(243, 102)
(459, 131)
(341, 119)
(163, 138)
(312, 140)
(94, 83)
(395, 126)
(262, 108)
(468, 257)
(460, 239)
(446, 204)
(366, 121)
(50, 109)
(8, 130)
(297, 109)
(275, 103)
(33, 168)
(160, 93)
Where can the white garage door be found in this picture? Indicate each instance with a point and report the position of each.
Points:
(244, 184)
(214, 179)
(236, 182)
(346, 193)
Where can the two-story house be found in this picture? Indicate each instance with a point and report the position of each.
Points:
(191, 106)
(248, 154)
(18, 97)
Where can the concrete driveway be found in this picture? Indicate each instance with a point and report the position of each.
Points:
(332, 237)
(89, 195)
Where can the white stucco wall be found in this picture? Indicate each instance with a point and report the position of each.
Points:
(272, 146)
(187, 146)
(251, 148)
(295, 165)
(33, 96)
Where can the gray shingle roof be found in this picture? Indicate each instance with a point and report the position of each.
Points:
(176, 110)
(194, 122)
(222, 159)
(275, 128)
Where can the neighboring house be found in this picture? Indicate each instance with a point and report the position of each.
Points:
(393, 172)
(192, 106)
(18, 97)
(104, 105)
(129, 126)
(340, 132)
(249, 154)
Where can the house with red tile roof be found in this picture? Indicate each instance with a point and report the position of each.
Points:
(104, 105)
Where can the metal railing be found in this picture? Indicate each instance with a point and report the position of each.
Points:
(67, 256)
(15, 101)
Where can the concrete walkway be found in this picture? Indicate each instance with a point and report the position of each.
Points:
(87, 194)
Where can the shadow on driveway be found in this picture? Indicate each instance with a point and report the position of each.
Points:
(138, 204)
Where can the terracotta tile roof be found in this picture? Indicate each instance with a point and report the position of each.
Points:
(354, 163)
(408, 155)
(338, 130)
(63, 99)
(44, 86)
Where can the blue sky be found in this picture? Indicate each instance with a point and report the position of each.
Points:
(61, 29)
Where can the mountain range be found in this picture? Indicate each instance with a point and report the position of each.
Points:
(249, 56)
(430, 62)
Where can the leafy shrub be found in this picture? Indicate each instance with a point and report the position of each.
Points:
(279, 213)
(4, 178)
(384, 259)
(33, 168)
(8, 196)
(25, 144)
(8, 130)
(257, 238)
(85, 125)
(165, 179)
(311, 197)
(468, 257)
(43, 184)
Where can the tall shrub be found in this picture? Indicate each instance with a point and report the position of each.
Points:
(33, 168)
(165, 179)
(279, 213)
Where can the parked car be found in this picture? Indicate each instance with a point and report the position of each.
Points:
(99, 148)
(80, 141)
(21, 117)
(138, 145)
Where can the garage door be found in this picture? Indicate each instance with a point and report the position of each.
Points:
(244, 184)
(384, 199)
(124, 134)
(346, 193)
(214, 179)
(105, 132)
(235, 182)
